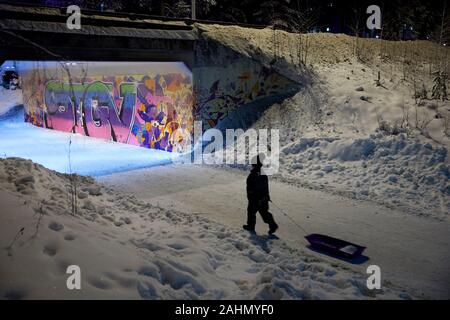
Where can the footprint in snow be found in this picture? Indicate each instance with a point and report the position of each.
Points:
(50, 250)
(69, 237)
(55, 226)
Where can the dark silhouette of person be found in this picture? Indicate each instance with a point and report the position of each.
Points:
(258, 198)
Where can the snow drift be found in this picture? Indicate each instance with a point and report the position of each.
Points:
(394, 170)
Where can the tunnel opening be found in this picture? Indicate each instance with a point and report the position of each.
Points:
(144, 104)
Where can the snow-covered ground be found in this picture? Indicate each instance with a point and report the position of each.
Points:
(128, 248)
(130, 245)
(411, 251)
(213, 193)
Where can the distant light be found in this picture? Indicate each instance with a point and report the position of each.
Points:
(445, 44)
(378, 37)
(328, 29)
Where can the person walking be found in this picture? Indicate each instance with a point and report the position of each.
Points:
(258, 198)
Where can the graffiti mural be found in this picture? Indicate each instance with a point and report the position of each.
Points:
(152, 109)
(148, 104)
(222, 90)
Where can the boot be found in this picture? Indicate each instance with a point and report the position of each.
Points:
(273, 228)
(248, 228)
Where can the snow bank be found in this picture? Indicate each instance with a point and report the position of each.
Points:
(127, 248)
(351, 151)
(395, 170)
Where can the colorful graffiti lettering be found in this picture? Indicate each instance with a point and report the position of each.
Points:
(90, 109)
(140, 110)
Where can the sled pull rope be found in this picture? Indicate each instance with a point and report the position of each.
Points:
(295, 223)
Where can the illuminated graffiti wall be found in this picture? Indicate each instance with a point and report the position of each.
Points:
(150, 104)
(144, 104)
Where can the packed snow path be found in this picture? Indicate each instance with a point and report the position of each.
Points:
(129, 249)
(411, 251)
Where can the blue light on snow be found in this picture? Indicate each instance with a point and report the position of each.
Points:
(88, 156)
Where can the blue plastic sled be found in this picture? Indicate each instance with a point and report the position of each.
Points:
(335, 246)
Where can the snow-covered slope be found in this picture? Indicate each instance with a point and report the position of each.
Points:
(348, 132)
(127, 248)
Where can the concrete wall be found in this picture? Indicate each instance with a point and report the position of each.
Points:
(232, 91)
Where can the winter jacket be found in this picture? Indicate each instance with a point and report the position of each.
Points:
(257, 186)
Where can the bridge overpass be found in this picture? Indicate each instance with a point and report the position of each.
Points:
(41, 33)
(223, 90)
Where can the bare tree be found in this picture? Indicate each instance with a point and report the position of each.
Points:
(444, 31)
(356, 30)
